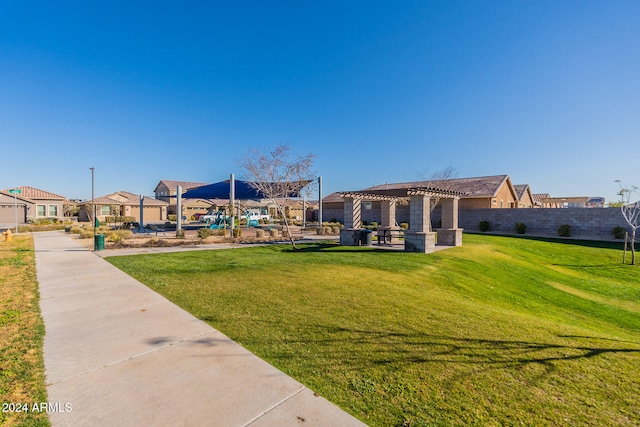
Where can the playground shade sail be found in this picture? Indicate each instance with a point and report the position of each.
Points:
(243, 191)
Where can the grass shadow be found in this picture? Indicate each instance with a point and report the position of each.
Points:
(600, 244)
(397, 348)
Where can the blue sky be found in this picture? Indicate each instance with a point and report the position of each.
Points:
(545, 91)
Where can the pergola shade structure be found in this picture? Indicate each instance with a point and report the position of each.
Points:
(419, 237)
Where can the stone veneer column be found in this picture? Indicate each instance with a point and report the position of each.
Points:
(449, 213)
(388, 213)
(349, 236)
(449, 234)
(419, 238)
(419, 214)
(352, 212)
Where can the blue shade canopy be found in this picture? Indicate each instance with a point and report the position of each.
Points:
(222, 190)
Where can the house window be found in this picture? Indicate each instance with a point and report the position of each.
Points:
(105, 210)
(367, 205)
(494, 202)
(41, 210)
(53, 211)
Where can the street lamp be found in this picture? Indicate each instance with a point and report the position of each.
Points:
(93, 207)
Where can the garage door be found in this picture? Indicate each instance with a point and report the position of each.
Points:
(8, 214)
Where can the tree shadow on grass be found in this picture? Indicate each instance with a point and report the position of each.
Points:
(600, 244)
(398, 348)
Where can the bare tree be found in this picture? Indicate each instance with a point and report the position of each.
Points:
(280, 176)
(442, 181)
(631, 213)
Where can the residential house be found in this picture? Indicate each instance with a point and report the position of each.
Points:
(596, 202)
(480, 192)
(193, 207)
(167, 190)
(543, 200)
(525, 198)
(123, 203)
(31, 204)
(562, 202)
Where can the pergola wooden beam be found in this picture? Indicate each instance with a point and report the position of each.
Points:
(398, 193)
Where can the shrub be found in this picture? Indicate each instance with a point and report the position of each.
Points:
(180, 234)
(374, 225)
(117, 236)
(203, 233)
(484, 226)
(521, 227)
(564, 230)
(365, 223)
(335, 230)
(259, 234)
(404, 225)
(237, 232)
(172, 217)
(86, 233)
(333, 220)
(618, 232)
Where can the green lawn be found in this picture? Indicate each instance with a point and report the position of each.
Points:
(500, 331)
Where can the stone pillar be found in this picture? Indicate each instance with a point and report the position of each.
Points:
(388, 213)
(419, 214)
(419, 238)
(350, 235)
(352, 212)
(449, 213)
(449, 234)
(387, 221)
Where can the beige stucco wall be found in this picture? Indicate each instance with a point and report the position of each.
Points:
(504, 198)
(479, 203)
(527, 201)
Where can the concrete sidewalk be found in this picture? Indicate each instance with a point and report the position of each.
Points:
(117, 353)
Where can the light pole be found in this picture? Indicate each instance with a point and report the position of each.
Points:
(93, 207)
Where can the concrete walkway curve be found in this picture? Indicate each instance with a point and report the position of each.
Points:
(117, 353)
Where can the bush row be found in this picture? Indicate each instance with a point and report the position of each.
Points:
(618, 232)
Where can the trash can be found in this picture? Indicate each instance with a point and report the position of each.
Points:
(356, 237)
(99, 242)
(366, 237)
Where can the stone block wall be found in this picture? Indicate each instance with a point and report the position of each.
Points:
(585, 223)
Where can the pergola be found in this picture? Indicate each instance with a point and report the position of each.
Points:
(419, 237)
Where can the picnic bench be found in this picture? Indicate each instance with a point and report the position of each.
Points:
(386, 235)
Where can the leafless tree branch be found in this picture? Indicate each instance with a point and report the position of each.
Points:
(279, 175)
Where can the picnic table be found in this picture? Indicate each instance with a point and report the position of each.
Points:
(386, 235)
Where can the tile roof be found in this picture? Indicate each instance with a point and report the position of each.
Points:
(125, 198)
(521, 189)
(173, 185)
(483, 186)
(36, 193)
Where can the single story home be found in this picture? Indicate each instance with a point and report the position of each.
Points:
(31, 204)
(525, 198)
(123, 203)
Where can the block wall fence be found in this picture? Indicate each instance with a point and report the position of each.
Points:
(596, 223)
